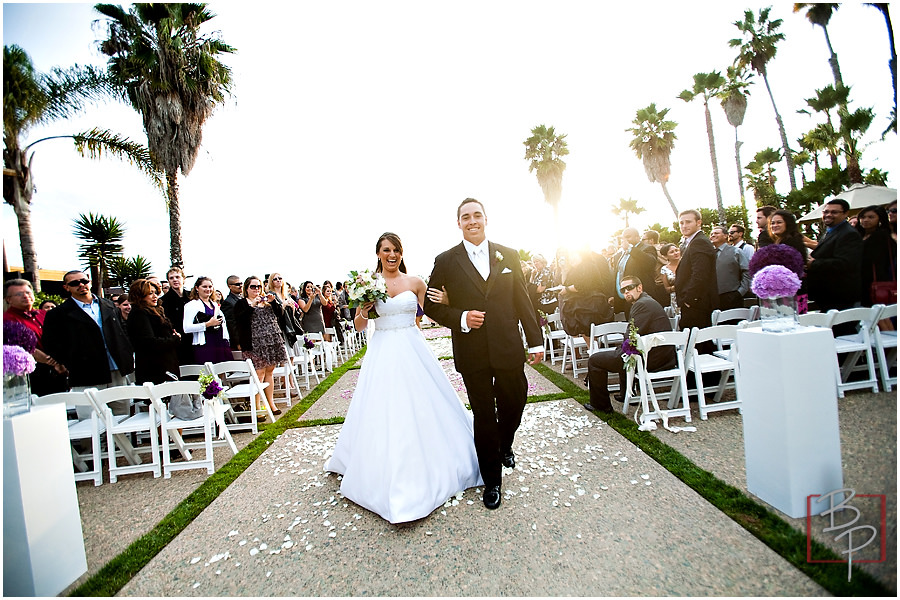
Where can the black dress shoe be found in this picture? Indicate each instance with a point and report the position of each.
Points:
(592, 408)
(492, 497)
(508, 459)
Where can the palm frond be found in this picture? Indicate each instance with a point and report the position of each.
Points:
(95, 142)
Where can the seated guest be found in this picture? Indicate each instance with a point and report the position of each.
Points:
(154, 338)
(648, 317)
(732, 270)
(542, 279)
(783, 229)
(879, 253)
(203, 320)
(585, 298)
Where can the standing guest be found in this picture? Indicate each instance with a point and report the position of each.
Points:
(173, 303)
(651, 238)
(203, 320)
(155, 279)
(86, 335)
(123, 304)
(329, 311)
(732, 270)
(696, 288)
(47, 305)
(257, 320)
(218, 297)
(892, 218)
(644, 264)
(288, 318)
(762, 221)
(311, 300)
(879, 253)
(164, 285)
(343, 300)
(833, 271)
(234, 294)
(19, 295)
(783, 229)
(542, 280)
(736, 239)
(649, 317)
(152, 334)
(672, 255)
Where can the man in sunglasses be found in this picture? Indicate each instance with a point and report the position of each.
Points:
(649, 317)
(87, 336)
(234, 294)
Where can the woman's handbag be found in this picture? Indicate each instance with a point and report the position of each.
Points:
(883, 292)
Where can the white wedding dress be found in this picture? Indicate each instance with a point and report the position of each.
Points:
(406, 445)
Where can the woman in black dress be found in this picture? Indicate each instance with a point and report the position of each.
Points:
(152, 335)
(879, 256)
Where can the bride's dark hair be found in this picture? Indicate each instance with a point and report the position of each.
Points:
(395, 240)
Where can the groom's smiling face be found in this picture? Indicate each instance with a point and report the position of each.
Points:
(472, 222)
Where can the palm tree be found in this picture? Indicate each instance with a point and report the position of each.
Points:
(820, 14)
(892, 63)
(824, 137)
(853, 126)
(654, 139)
(811, 148)
(122, 270)
(708, 85)
(758, 49)
(102, 238)
(734, 102)
(171, 75)
(543, 151)
(762, 176)
(627, 207)
(32, 98)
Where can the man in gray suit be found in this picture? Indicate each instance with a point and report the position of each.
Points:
(649, 317)
(732, 271)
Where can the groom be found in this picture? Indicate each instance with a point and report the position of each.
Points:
(487, 299)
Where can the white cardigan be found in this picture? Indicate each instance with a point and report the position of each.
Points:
(191, 310)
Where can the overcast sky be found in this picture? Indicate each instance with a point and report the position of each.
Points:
(349, 119)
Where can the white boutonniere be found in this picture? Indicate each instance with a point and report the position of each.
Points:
(498, 256)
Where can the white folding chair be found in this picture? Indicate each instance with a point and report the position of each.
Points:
(285, 372)
(300, 362)
(857, 346)
(554, 336)
(571, 345)
(116, 431)
(886, 348)
(88, 429)
(607, 335)
(713, 363)
(213, 411)
(240, 380)
(817, 319)
(191, 370)
(336, 345)
(317, 354)
(728, 317)
(674, 378)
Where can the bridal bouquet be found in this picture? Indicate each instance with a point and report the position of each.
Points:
(366, 286)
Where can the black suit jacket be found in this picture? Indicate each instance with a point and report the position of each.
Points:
(649, 317)
(695, 280)
(73, 339)
(643, 266)
(173, 305)
(833, 277)
(155, 346)
(503, 298)
(228, 309)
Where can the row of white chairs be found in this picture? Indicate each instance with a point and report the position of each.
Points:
(117, 430)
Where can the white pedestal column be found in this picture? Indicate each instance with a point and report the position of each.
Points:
(792, 444)
(43, 545)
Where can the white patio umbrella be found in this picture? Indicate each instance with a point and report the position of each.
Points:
(859, 196)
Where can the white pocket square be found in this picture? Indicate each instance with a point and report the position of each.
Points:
(505, 271)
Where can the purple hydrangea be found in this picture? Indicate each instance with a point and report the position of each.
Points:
(775, 281)
(212, 390)
(16, 361)
(308, 343)
(777, 254)
(628, 348)
(18, 334)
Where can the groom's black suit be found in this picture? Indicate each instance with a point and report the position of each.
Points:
(490, 358)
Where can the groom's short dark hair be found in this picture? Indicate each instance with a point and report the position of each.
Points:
(466, 201)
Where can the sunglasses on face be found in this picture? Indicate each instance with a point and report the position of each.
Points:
(893, 211)
(276, 279)
(628, 288)
(77, 282)
(254, 287)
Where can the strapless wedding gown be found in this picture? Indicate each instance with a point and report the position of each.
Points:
(406, 445)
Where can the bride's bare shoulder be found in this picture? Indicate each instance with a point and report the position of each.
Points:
(415, 283)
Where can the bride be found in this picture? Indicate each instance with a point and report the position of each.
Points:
(406, 445)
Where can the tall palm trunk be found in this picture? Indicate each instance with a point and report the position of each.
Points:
(784, 142)
(669, 198)
(715, 163)
(737, 160)
(17, 191)
(174, 219)
(833, 61)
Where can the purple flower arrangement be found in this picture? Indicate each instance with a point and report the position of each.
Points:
(308, 343)
(16, 361)
(776, 254)
(630, 350)
(775, 281)
(17, 334)
(212, 390)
